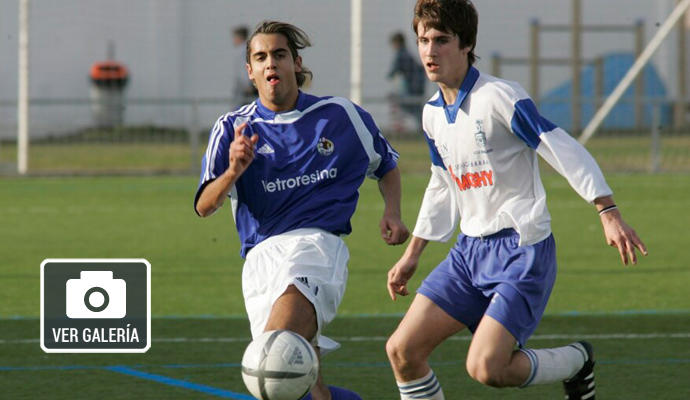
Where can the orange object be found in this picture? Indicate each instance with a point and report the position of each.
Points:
(111, 73)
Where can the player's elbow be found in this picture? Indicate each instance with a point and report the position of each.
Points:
(204, 210)
(207, 204)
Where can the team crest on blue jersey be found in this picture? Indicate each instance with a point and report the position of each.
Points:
(325, 147)
(480, 136)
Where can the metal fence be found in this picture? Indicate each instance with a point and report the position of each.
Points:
(151, 147)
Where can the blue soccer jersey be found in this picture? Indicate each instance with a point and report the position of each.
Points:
(309, 164)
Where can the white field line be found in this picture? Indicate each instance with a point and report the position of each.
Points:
(555, 336)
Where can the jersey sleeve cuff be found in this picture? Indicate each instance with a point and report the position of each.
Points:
(384, 168)
(431, 236)
(200, 190)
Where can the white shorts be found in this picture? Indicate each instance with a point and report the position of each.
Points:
(313, 260)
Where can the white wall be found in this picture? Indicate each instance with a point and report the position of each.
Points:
(182, 48)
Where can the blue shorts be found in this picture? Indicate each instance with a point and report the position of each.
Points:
(496, 277)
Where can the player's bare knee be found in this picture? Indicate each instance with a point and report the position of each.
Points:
(483, 375)
(393, 349)
(401, 356)
(486, 371)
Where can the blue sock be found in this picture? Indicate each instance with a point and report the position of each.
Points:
(338, 393)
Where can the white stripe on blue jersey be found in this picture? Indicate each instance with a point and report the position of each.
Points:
(365, 136)
(485, 171)
(240, 115)
(314, 159)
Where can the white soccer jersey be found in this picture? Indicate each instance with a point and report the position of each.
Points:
(485, 171)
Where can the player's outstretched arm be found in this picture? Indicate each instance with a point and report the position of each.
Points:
(393, 230)
(241, 154)
(402, 271)
(618, 233)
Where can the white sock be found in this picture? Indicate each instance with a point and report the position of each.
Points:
(554, 365)
(426, 388)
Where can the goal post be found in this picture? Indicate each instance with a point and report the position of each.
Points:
(356, 51)
(632, 73)
(23, 91)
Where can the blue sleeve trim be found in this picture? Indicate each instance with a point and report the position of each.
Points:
(385, 167)
(528, 125)
(433, 152)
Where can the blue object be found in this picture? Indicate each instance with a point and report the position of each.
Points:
(338, 393)
(494, 276)
(309, 164)
(556, 104)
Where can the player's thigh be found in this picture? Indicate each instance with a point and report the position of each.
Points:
(293, 311)
(424, 327)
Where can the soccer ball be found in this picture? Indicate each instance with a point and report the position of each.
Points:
(279, 365)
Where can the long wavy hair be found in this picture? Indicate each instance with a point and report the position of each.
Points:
(296, 38)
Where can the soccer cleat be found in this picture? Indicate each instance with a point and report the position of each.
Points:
(581, 386)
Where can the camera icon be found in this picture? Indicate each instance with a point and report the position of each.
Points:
(96, 295)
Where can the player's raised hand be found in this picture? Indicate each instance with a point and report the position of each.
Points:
(393, 230)
(242, 150)
(620, 235)
(400, 274)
